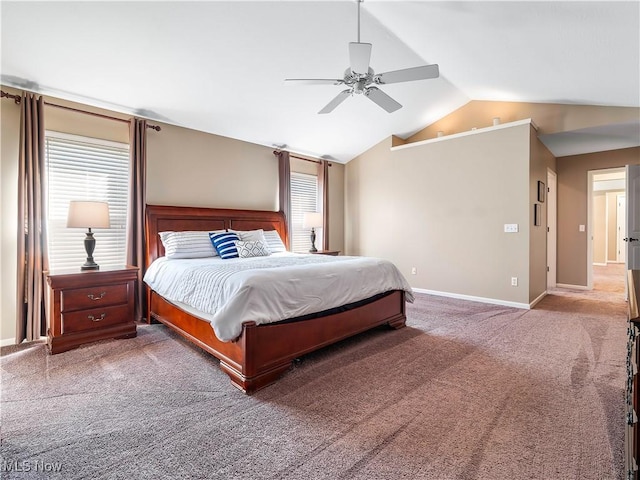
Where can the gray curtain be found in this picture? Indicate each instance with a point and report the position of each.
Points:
(136, 214)
(33, 255)
(284, 182)
(323, 186)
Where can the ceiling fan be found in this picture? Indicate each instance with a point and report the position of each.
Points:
(361, 79)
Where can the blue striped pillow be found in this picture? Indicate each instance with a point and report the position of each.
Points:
(225, 244)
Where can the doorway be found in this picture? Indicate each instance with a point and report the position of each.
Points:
(606, 216)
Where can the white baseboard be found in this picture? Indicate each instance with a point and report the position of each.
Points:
(537, 300)
(572, 287)
(12, 341)
(598, 264)
(493, 301)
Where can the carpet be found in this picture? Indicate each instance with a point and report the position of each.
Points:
(467, 391)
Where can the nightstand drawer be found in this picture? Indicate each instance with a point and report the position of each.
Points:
(93, 297)
(95, 318)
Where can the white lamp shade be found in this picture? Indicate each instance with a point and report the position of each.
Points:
(88, 214)
(312, 220)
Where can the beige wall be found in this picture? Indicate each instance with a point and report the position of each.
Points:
(549, 117)
(336, 207)
(599, 227)
(441, 207)
(572, 208)
(540, 160)
(190, 168)
(184, 167)
(612, 226)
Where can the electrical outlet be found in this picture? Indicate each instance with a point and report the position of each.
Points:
(511, 228)
(514, 281)
(414, 270)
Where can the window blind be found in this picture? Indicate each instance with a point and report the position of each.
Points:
(81, 168)
(304, 198)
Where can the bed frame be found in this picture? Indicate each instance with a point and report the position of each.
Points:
(262, 353)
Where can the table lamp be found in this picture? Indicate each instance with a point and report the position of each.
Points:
(88, 215)
(312, 220)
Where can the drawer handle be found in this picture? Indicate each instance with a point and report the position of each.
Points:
(93, 297)
(95, 319)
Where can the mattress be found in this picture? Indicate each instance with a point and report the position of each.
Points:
(269, 289)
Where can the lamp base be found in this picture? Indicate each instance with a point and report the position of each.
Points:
(313, 248)
(89, 246)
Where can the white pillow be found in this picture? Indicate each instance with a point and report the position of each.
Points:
(188, 244)
(251, 249)
(249, 235)
(274, 242)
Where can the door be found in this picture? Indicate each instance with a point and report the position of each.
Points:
(621, 228)
(551, 229)
(633, 217)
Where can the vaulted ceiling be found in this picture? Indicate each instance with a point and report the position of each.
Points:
(219, 67)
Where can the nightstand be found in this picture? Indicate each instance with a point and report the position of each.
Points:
(327, 252)
(91, 305)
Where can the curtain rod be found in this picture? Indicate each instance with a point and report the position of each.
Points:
(308, 159)
(303, 158)
(17, 99)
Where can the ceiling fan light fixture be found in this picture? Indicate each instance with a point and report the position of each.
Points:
(360, 77)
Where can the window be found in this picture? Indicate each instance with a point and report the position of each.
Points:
(304, 198)
(81, 168)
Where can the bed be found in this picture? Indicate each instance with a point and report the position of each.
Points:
(261, 353)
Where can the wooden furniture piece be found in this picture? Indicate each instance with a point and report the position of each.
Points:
(262, 353)
(86, 306)
(327, 252)
(632, 431)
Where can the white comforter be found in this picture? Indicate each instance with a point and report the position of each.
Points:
(269, 289)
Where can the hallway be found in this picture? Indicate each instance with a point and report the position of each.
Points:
(609, 278)
(608, 294)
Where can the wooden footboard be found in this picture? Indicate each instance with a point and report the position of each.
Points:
(263, 353)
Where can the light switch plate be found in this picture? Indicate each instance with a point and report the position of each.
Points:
(581, 228)
(511, 228)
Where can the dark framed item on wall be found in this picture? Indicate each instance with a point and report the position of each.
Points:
(537, 214)
(542, 191)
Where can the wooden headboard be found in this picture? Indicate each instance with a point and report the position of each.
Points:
(160, 218)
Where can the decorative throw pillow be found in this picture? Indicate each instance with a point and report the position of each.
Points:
(250, 235)
(225, 244)
(188, 244)
(251, 249)
(274, 242)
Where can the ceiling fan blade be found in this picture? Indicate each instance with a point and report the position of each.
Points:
(408, 74)
(382, 99)
(313, 81)
(341, 97)
(359, 57)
